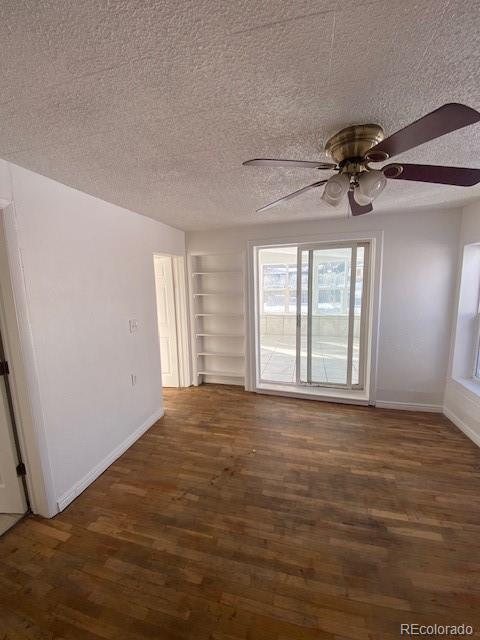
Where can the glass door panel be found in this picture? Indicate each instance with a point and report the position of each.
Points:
(358, 313)
(277, 311)
(330, 305)
(302, 315)
(330, 324)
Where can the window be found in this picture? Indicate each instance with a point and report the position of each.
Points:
(466, 346)
(476, 369)
(332, 287)
(279, 288)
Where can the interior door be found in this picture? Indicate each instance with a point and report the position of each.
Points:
(331, 315)
(12, 497)
(167, 325)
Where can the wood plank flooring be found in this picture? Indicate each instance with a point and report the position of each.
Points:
(240, 516)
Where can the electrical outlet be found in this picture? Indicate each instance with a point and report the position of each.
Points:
(134, 379)
(133, 324)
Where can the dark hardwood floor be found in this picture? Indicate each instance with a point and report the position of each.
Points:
(240, 516)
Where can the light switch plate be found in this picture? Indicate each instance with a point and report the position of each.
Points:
(133, 324)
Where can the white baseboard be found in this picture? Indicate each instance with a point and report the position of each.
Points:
(405, 406)
(93, 474)
(470, 433)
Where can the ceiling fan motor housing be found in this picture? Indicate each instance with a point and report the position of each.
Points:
(349, 146)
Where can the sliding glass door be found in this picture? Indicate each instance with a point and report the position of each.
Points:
(313, 306)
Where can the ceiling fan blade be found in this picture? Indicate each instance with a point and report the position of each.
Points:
(460, 176)
(292, 195)
(443, 120)
(305, 164)
(357, 209)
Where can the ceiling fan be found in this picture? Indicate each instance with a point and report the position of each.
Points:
(355, 147)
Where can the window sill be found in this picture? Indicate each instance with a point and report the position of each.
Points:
(470, 384)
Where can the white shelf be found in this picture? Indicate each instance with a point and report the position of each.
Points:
(220, 354)
(219, 315)
(236, 294)
(219, 335)
(214, 273)
(222, 374)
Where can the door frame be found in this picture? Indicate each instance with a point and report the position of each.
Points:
(11, 426)
(20, 353)
(181, 315)
(375, 238)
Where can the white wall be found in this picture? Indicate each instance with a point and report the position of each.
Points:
(87, 269)
(462, 396)
(417, 292)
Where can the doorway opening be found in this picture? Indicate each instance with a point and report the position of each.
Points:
(172, 317)
(313, 318)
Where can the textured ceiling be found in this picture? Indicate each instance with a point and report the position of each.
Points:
(154, 105)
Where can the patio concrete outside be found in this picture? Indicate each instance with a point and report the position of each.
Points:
(329, 358)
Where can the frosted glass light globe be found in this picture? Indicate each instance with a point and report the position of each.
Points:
(360, 198)
(371, 184)
(336, 187)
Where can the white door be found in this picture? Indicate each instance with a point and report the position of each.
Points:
(167, 325)
(12, 497)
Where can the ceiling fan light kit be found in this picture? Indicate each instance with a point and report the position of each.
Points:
(353, 149)
(335, 189)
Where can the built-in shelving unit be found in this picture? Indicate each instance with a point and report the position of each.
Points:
(218, 317)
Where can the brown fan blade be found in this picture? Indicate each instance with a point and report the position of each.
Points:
(460, 176)
(293, 195)
(305, 164)
(443, 120)
(357, 209)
